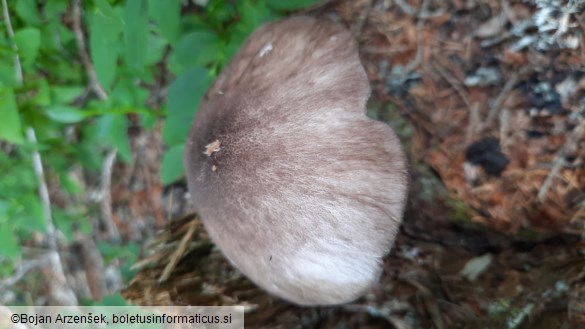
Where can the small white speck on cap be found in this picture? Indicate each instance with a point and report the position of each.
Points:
(267, 48)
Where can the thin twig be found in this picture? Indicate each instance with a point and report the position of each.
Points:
(94, 83)
(390, 50)
(419, 38)
(499, 102)
(21, 271)
(17, 65)
(365, 13)
(560, 160)
(405, 7)
(93, 265)
(178, 254)
(376, 313)
(43, 190)
(453, 82)
(106, 195)
(420, 14)
(65, 295)
(504, 125)
(474, 122)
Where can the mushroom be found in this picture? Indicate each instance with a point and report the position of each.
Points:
(299, 189)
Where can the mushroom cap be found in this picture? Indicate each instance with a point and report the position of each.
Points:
(295, 184)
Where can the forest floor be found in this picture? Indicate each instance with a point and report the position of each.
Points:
(489, 101)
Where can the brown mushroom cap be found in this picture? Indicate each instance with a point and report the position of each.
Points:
(297, 187)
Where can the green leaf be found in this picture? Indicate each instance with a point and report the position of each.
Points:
(65, 223)
(254, 15)
(196, 49)
(21, 179)
(112, 300)
(70, 184)
(10, 126)
(7, 73)
(67, 71)
(28, 11)
(66, 94)
(123, 93)
(89, 150)
(104, 41)
(43, 96)
(113, 129)
(231, 49)
(167, 16)
(126, 94)
(148, 119)
(8, 244)
(53, 10)
(157, 46)
(30, 216)
(184, 96)
(291, 4)
(54, 38)
(115, 24)
(172, 164)
(105, 8)
(193, 22)
(4, 207)
(219, 12)
(136, 33)
(65, 114)
(110, 252)
(28, 41)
